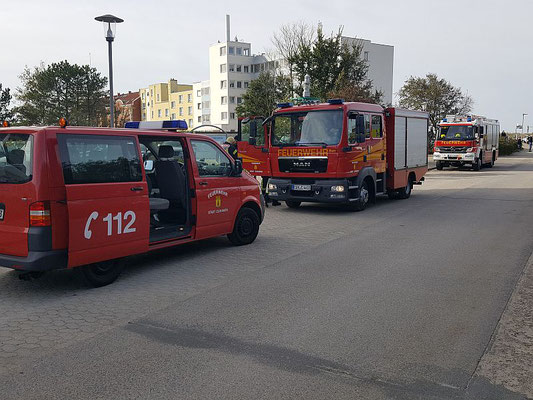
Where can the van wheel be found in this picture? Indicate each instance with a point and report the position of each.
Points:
(440, 165)
(405, 193)
(102, 273)
(246, 227)
(293, 203)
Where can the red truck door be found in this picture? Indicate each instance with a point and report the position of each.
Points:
(107, 197)
(218, 194)
(253, 146)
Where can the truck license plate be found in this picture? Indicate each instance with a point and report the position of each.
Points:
(301, 187)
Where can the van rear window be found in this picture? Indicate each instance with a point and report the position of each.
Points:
(99, 159)
(16, 158)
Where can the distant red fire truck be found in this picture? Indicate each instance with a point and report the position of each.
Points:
(467, 140)
(336, 152)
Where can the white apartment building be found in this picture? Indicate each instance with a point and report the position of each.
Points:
(232, 67)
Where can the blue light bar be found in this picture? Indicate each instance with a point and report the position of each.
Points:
(445, 120)
(284, 105)
(336, 101)
(469, 119)
(174, 124)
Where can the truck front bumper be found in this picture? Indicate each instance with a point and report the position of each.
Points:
(312, 190)
(36, 261)
(464, 158)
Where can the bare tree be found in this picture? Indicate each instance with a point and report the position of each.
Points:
(290, 40)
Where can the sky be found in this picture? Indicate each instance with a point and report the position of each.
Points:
(483, 47)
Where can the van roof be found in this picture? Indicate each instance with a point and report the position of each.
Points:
(100, 130)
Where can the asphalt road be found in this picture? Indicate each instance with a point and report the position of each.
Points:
(400, 301)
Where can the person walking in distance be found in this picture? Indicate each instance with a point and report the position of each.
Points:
(530, 142)
(232, 147)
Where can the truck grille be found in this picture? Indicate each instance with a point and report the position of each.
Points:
(303, 164)
(453, 149)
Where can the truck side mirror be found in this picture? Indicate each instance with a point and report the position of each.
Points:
(237, 167)
(252, 141)
(149, 165)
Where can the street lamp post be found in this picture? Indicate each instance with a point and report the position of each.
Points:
(110, 25)
(523, 118)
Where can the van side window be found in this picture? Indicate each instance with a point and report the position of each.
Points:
(99, 159)
(211, 161)
(377, 131)
(367, 126)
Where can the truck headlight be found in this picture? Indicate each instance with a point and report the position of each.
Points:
(437, 149)
(470, 149)
(271, 186)
(338, 189)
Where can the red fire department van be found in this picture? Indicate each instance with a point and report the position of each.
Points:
(467, 140)
(78, 196)
(336, 152)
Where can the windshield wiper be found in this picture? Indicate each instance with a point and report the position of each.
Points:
(323, 144)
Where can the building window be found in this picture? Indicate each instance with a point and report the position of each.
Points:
(173, 115)
(180, 99)
(231, 50)
(239, 51)
(159, 113)
(189, 110)
(224, 100)
(152, 115)
(205, 104)
(144, 116)
(152, 92)
(246, 69)
(239, 68)
(143, 95)
(239, 84)
(172, 104)
(232, 115)
(199, 106)
(246, 52)
(232, 99)
(166, 112)
(366, 55)
(189, 98)
(158, 97)
(222, 68)
(190, 123)
(232, 68)
(181, 111)
(223, 84)
(199, 119)
(223, 114)
(199, 92)
(246, 84)
(205, 91)
(239, 100)
(144, 105)
(223, 51)
(231, 83)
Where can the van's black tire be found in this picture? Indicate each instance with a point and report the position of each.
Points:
(405, 192)
(440, 165)
(102, 273)
(246, 227)
(364, 198)
(293, 203)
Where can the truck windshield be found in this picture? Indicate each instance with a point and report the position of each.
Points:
(309, 128)
(16, 151)
(456, 132)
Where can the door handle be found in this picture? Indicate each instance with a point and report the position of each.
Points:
(203, 183)
(136, 188)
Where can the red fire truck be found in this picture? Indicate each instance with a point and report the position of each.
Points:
(336, 152)
(467, 140)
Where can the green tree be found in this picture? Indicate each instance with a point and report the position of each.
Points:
(336, 69)
(436, 96)
(263, 94)
(50, 92)
(6, 113)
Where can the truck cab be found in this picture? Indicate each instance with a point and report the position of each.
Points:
(87, 197)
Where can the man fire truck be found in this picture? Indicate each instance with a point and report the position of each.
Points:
(336, 152)
(467, 140)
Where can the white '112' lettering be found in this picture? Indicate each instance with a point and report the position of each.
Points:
(128, 218)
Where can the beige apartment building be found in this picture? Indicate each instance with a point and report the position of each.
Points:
(167, 101)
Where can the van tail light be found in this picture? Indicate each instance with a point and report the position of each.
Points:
(40, 214)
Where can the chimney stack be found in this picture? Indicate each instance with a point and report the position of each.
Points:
(227, 28)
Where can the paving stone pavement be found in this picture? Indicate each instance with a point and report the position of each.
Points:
(57, 310)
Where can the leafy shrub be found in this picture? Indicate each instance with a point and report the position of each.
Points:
(507, 146)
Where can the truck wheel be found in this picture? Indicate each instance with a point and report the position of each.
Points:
(405, 193)
(246, 227)
(440, 166)
(476, 165)
(491, 163)
(293, 203)
(102, 273)
(364, 198)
